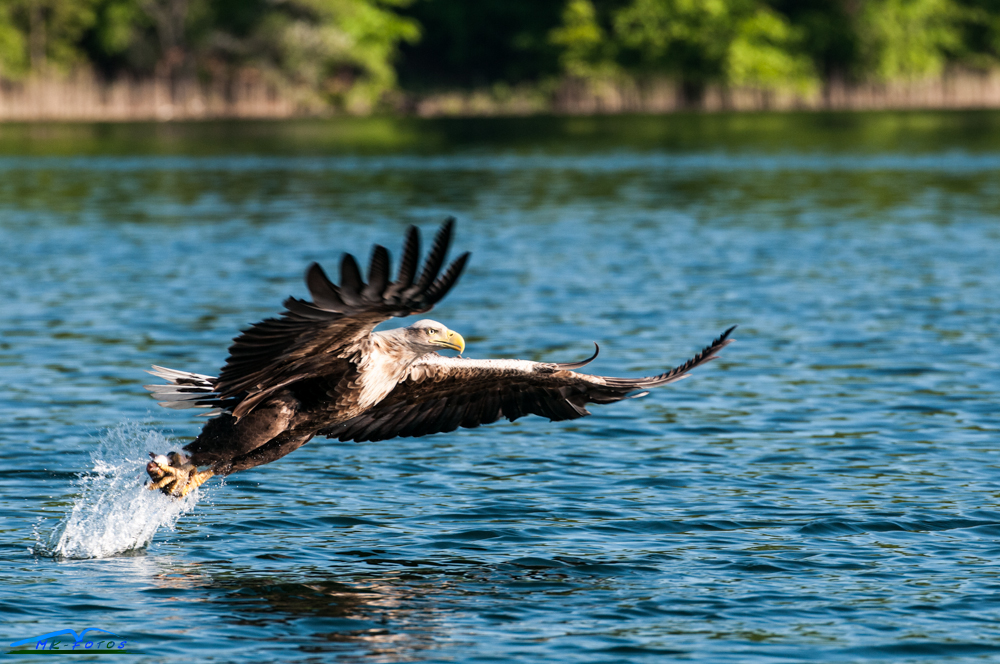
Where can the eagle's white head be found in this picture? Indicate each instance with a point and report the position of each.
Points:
(429, 336)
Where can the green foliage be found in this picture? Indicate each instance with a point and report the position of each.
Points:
(586, 51)
(353, 53)
(13, 45)
(43, 35)
(776, 44)
(737, 42)
(337, 51)
(978, 25)
(115, 28)
(767, 53)
(689, 38)
(341, 49)
(906, 39)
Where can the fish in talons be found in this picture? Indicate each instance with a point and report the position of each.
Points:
(174, 475)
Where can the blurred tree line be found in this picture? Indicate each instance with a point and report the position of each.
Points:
(352, 53)
(343, 51)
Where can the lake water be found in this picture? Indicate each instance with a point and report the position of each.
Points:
(826, 491)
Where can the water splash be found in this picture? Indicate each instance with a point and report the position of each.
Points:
(114, 513)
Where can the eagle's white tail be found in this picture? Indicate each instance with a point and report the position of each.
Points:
(186, 390)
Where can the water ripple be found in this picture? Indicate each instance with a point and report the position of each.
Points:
(825, 491)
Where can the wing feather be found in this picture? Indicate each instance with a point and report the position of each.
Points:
(444, 393)
(324, 293)
(378, 274)
(436, 258)
(350, 281)
(408, 266)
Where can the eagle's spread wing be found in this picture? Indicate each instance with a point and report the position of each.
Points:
(443, 393)
(311, 335)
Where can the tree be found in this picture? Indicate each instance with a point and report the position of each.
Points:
(13, 45)
(906, 39)
(766, 53)
(587, 52)
(738, 42)
(337, 51)
(343, 50)
(42, 36)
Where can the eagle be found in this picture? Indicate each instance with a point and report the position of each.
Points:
(321, 369)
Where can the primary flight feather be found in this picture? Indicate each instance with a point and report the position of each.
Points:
(321, 369)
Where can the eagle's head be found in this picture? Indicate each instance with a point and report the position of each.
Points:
(429, 336)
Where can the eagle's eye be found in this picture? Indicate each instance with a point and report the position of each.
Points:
(432, 331)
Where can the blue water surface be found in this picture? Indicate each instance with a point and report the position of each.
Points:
(826, 491)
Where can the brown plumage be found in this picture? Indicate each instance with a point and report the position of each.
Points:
(320, 369)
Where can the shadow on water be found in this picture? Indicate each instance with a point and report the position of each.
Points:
(845, 132)
(378, 618)
(381, 618)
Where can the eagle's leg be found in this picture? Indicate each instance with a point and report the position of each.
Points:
(195, 480)
(174, 474)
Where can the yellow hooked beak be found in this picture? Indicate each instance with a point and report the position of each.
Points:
(450, 339)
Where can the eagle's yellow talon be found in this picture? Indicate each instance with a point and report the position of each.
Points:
(195, 480)
(174, 475)
(153, 486)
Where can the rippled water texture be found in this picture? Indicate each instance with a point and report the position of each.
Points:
(827, 491)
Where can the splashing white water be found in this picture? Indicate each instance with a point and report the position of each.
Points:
(115, 513)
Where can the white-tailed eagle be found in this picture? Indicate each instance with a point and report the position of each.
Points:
(321, 369)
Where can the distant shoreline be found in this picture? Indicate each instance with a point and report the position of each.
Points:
(87, 99)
